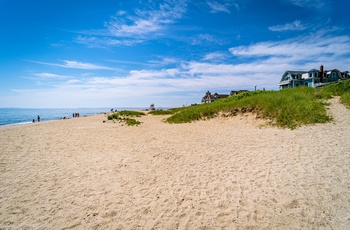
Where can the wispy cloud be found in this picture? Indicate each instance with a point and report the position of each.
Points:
(163, 61)
(105, 42)
(145, 22)
(217, 7)
(76, 65)
(259, 64)
(205, 39)
(215, 56)
(222, 6)
(49, 76)
(132, 28)
(313, 48)
(296, 25)
(309, 3)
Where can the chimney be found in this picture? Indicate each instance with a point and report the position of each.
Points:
(321, 73)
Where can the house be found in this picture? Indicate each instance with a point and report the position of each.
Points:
(311, 78)
(233, 92)
(208, 97)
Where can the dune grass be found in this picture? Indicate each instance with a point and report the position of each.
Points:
(125, 116)
(288, 108)
(341, 89)
(165, 112)
(345, 99)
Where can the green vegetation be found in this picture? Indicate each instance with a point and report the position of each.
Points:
(131, 122)
(164, 112)
(286, 108)
(124, 116)
(345, 99)
(130, 113)
(341, 89)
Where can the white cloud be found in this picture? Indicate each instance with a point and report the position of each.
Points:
(309, 3)
(49, 76)
(296, 25)
(222, 6)
(132, 28)
(105, 42)
(260, 64)
(76, 65)
(154, 74)
(313, 47)
(205, 38)
(215, 56)
(164, 61)
(217, 7)
(147, 21)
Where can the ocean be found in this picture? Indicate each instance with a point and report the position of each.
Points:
(12, 116)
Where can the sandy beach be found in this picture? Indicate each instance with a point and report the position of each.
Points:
(224, 173)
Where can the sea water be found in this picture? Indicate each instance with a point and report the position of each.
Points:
(11, 116)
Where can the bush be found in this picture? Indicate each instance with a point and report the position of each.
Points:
(131, 122)
(124, 115)
(113, 116)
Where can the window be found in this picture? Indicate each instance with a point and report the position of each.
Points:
(333, 75)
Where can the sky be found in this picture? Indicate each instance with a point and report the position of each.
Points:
(132, 53)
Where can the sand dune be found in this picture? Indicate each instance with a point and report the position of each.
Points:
(225, 173)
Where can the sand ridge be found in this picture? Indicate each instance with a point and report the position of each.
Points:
(224, 173)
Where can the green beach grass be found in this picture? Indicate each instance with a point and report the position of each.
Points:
(288, 108)
(164, 112)
(341, 89)
(126, 117)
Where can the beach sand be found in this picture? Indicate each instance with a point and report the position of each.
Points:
(224, 173)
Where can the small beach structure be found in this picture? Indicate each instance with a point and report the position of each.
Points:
(312, 78)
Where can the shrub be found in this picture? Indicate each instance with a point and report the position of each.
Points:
(123, 116)
(131, 122)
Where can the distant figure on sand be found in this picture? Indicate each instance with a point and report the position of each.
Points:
(33, 120)
(38, 118)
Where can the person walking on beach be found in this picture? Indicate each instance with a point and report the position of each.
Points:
(38, 118)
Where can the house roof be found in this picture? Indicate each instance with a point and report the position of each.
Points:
(313, 70)
(296, 72)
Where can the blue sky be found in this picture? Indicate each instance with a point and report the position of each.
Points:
(131, 53)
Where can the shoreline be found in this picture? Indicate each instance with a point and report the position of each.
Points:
(37, 123)
(224, 173)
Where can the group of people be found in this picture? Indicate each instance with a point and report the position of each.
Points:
(37, 118)
(74, 115)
